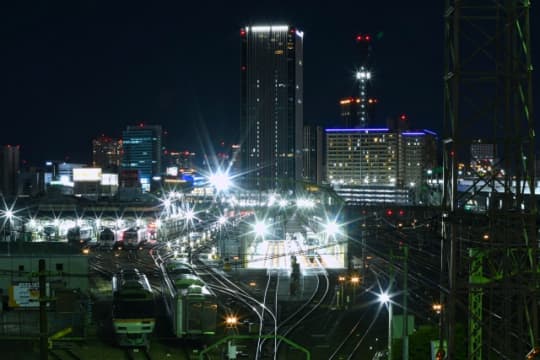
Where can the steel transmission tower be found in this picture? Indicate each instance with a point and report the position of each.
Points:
(489, 259)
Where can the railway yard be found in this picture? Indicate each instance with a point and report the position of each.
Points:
(177, 299)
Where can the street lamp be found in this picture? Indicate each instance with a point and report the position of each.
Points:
(220, 181)
(384, 298)
(355, 281)
(260, 228)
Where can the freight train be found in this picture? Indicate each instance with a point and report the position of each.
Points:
(133, 313)
(191, 306)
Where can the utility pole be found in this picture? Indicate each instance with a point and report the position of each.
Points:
(405, 297)
(43, 321)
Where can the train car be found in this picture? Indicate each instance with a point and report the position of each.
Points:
(191, 306)
(134, 237)
(108, 238)
(133, 313)
(80, 235)
(176, 267)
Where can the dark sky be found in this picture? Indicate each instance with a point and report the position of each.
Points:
(74, 70)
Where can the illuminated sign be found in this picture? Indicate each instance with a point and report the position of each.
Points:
(25, 294)
(87, 174)
(172, 171)
(109, 179)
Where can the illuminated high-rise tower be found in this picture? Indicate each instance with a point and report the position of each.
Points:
(142, 152)
(363, 76)
(271, 106)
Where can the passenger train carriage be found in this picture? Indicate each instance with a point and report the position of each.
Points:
(191, 305)
(133, 313)
(134, 237)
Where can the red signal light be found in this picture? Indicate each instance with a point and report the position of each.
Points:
(402, 117)
(389, 212)
(242, 32)
(359, 38)
(368, 38)
(440, 354)
(401, 212)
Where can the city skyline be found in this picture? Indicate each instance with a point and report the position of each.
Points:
(79, 71)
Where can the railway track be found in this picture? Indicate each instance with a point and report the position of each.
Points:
(63, 354)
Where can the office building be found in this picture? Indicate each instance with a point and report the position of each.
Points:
(106, 152)
(313, 154)
(9, 170)
(142, 152)
(271, 106)
(378, 164)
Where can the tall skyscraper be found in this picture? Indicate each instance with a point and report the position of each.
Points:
(106, 152)
(9, 169)
(271, 106)
(142, 152)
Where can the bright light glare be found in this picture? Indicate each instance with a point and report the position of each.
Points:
(260, 228)
(363, 75)
(189, 214)
(332, 228)
(282, 202)
(305, 203)
(384, 298)
(231, 320)
(220, 180)
(222, 220)
(9, 214)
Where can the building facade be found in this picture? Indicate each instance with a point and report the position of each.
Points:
(106, 152)
(9, 170)
(142, 152)
(379, 164)
(271, 106)
(313, 154)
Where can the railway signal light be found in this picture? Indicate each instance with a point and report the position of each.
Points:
(440, 354)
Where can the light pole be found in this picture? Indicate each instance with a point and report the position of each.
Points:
(384, 298)
(221, 223)
(355, 281)
(341, 280)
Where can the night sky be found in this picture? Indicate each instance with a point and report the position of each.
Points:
(75, 70)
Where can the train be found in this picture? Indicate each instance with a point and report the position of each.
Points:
(133, 313)
(134, 237)
(190, 304)
(109, 238)
(80, 235)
